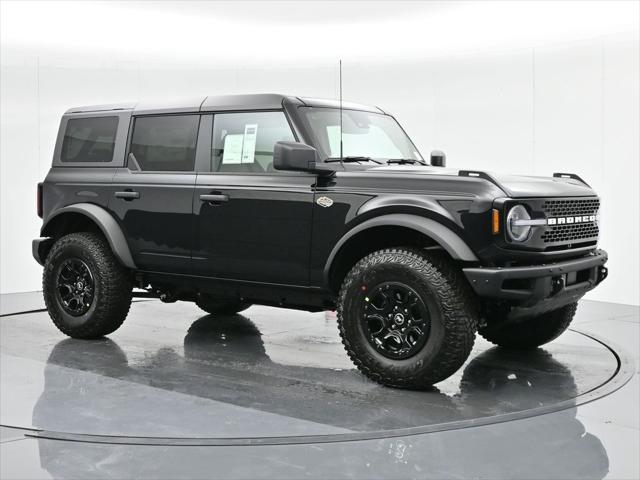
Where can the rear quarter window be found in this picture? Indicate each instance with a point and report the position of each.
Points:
(89, 140)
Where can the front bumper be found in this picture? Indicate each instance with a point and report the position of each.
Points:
(555, 284)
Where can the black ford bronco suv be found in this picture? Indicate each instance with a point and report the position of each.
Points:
(229, 201)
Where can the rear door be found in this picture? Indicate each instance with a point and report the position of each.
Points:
(153, 195)
(253, 223)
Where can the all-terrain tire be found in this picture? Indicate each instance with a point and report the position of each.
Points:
(451, 306)
(112, 286)
(529, 333)
(222, 306)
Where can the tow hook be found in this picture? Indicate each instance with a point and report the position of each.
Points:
(557, 284)
(603, 272)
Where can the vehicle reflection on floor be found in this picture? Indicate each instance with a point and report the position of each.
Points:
(225, 360)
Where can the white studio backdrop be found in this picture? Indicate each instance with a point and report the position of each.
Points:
(517, 87)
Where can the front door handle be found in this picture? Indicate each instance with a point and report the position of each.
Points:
(128, 195)
(214, 198)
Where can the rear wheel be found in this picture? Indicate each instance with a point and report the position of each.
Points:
(221, 306)
(86, 290)
(529, 333)
(406, 318)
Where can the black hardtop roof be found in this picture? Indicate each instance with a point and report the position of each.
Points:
(217, 103)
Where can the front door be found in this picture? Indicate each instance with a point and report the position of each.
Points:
(153, 196)
(253, 223)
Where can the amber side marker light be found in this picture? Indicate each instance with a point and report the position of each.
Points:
(495, 221)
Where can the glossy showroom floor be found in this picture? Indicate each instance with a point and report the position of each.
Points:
(271, 394)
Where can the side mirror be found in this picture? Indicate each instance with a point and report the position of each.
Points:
(438, 158)
(294, 156)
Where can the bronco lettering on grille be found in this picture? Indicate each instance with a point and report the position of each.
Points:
(567, 220)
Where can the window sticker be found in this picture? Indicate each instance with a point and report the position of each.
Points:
(232, 153)
(249, 144)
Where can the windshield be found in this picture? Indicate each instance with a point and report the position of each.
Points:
(364, 134)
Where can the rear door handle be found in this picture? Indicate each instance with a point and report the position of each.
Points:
(128, 195)
(214, 198)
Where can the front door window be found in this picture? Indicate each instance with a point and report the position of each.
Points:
(244, 142)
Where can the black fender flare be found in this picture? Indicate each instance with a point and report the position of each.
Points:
(443, 236)
(107, 224)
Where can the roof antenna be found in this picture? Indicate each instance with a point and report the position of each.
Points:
(341, 153)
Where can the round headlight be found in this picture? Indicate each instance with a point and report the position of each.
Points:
(518, 233)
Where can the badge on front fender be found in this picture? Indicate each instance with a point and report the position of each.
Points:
(324, 201)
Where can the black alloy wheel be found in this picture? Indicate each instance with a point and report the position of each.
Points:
(75, 287)
(396, 321)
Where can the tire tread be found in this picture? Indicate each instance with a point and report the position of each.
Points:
(115, 287)
(458, 304)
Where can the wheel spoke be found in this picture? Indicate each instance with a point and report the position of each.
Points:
(381, 302)
(388, 304)
(65, 289)
(392, 341)
(75, 286)
(67, 273)
(377, 324)
(396, 320)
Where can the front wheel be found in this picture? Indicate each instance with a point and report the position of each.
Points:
(406, 318)
(529, 333)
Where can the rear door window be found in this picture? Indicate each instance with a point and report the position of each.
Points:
(165, 143)
(89, 140)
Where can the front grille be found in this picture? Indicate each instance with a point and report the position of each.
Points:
(565, 208)
(568, 233)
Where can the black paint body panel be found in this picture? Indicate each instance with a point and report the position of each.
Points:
(261, 234)
(158, 224)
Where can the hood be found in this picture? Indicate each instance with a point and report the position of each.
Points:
(514, 186)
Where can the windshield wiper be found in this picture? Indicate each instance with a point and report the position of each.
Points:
(352, 160)
(405, 161)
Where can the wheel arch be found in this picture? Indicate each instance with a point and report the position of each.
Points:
(391, 230)
(89, 217)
